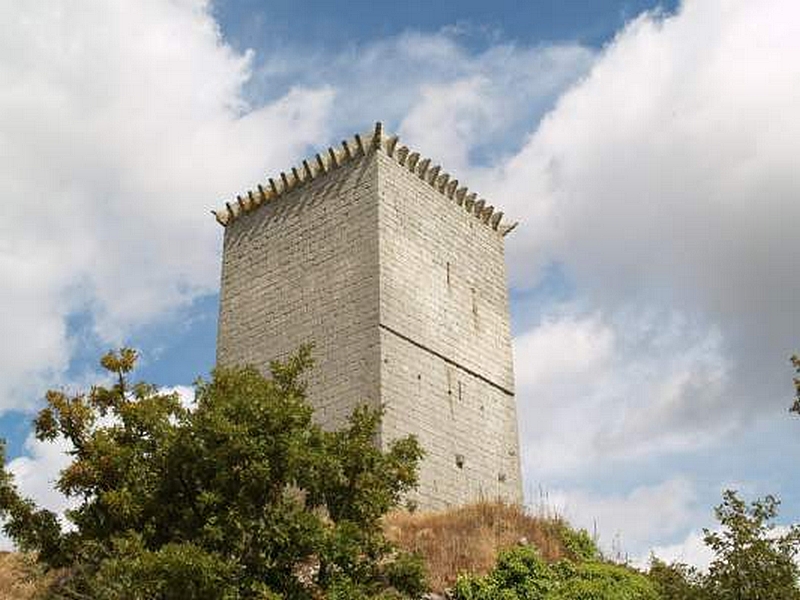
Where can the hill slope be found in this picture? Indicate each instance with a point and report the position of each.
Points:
(454, 541)
(467, 539)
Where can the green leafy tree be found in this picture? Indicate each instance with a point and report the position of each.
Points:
(752, 561)
(676, 581)
(521, 574)
(596, 580)
(579, 544)
(241, 496)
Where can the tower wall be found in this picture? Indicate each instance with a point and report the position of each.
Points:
(446, 363)
(304, 268)
(400, 283)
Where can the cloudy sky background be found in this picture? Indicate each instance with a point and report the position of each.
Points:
(649, 150)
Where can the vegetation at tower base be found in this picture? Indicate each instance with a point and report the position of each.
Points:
(521, 574)
(752, 562)
(240, 496)
(468, 539)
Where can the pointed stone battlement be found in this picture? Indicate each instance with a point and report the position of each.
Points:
(353, 149)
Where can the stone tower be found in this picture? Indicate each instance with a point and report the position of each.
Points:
(397, 275)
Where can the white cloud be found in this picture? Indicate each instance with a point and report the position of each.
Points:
(665, 180)
(620, 387)
(628, 522)
(36, 472)
(664, 185)
(445, 100)
(485, 98)
(562, 347)
(120, 126)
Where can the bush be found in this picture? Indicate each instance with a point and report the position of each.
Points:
(242, 496)
(520, 574)
(751, 559)
(579, 544)
(407, 574)
(173, 571)
(676, 581)
(601, 581)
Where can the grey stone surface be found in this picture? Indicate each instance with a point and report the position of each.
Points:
(403, 292)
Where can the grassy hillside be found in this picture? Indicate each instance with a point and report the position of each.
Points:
(459, 540)
(468, 539)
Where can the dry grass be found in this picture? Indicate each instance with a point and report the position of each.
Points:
(20, 579)
(467, 539)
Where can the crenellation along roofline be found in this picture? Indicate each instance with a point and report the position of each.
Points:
(352, 150)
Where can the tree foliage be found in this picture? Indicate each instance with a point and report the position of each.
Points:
(521, 574)
(240, 496)
(752, 558)
(676, 581)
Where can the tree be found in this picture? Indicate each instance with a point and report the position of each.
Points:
(241, 496)
(521, 574)
(752, 560)
(676, 581)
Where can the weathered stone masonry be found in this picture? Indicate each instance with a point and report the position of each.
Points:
(397, 275)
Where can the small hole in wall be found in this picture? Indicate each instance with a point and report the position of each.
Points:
(419, 376)
(501, 477)
(460, 461)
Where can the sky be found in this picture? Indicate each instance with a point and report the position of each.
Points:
(649, 151)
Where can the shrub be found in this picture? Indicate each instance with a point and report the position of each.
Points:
(676, 581)
(520, 574)
(601, 581)
(242, 496)
(408, 574)
(579, 544)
